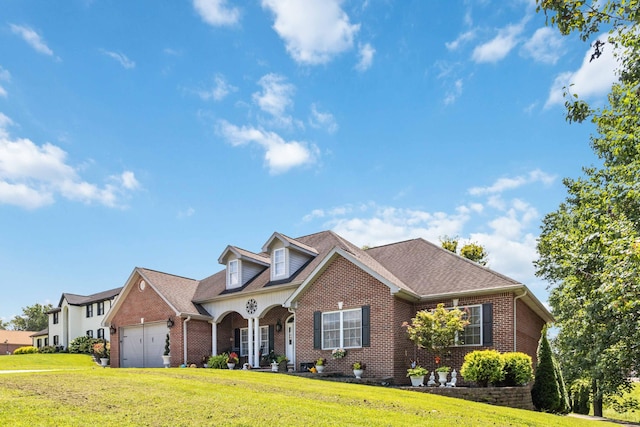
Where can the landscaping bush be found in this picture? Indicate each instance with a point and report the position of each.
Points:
(545, 392)
(25, 350)
(218, 362)
(517, 368)
(83, 345)
(483, 367)
(580, 393)
(47, 349)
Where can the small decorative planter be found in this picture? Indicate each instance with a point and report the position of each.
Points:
(417, 381)
(166, 361)
(442, 378)
(231, 365)
(274, 366)
(358, 373)
(320, 368)
(104, 361)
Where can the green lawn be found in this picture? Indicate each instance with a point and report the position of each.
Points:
(633, 415)
(89, 395)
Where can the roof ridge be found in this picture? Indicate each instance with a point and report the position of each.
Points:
(168, 274)
(395, 243)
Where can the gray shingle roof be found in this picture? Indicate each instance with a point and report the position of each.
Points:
(74, 299)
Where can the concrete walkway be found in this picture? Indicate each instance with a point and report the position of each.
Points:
(591, 417)
(20, 371)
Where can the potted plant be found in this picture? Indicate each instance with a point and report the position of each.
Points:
(417, 375)
(443, 371)
(358, 369)
(274, 363)
(166, 358)
(101, 351)
(232, 360)
(282, 363)
(320, 364)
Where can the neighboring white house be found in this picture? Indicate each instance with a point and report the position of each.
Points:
(78, 315)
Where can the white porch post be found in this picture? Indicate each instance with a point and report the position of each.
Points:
(214, 338)
(250, 340)
(256, 344)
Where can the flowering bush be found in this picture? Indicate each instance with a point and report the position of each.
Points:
(233, 357)
(338, 353)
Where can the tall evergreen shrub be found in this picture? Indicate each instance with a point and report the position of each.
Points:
(545, 392)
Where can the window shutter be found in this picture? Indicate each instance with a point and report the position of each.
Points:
(317, 329)
(366, 326)
(487, 324)
(271, 338)
(236, 340)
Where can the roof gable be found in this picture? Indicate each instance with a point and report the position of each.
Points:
(288, 242)
(244, 255)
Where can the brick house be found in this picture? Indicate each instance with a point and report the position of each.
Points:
(305, 297)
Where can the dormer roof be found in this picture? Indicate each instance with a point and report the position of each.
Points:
(244, 255)
(288, 243)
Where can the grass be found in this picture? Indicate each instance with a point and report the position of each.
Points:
(46, 361)
(185, 397)
(631, 416)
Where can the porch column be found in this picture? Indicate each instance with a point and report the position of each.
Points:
(250, 340)
(214, 338)
(256, 344)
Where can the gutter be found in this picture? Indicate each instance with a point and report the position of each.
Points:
(184, 338)
(515, 315)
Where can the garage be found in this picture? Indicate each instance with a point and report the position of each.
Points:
(142, 345)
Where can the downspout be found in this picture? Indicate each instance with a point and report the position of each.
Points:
(515, 313)
(184, 338)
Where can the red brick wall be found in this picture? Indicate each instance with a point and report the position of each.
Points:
(529, 330)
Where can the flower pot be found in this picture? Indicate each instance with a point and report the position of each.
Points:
(274, 367)
(166, 361)
(104, 361)
(417, 381)
(320, 368)
(231, 365)
(358, 373)
(442, 378)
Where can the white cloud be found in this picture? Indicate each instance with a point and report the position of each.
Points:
(322, 120)
(504, 184)
(366, 53)
(454, 93)
(31, 175)
(219, 91)
(217, 12)
(186, 213)
(500, 46)
(5, 76)
(120, 57)
(275, 98)
(32, 38)
(546, 45)
(463, 38)
(314, 31)
(592, 79)
(280, 155)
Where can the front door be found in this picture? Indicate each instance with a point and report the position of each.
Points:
(290, 337)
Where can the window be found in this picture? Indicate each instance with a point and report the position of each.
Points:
(55, 318)
(46, 341)
(39, 342)
(56, 340)
(100, 308)
(90, 310)
(279, 262)
(90, 333)
(101, 333)
(263, 341)
(232, 269)
(472, 334)
(342, 329)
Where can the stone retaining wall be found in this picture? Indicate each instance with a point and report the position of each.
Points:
(513, 397)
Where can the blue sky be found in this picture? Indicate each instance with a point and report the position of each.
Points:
(153, 134)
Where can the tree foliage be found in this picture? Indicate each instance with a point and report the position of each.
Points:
(33, 318)
(449, 243)
(472, 250)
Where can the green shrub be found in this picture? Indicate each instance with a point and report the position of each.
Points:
(47, 349)
(563, 404)
(518, 369)
(29, 349)
(482, 367)
(218, 362)
(545, 392)
(580, 393)
(82, 345)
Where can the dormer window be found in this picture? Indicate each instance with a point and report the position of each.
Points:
(279, 264)
(233, 278)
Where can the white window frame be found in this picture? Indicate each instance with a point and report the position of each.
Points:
(275, 264)
(341, 330)
(244, 340)
(231, 283)
(478, 325)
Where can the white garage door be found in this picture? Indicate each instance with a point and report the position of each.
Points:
(142, 346)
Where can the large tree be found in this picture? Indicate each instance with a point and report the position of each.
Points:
(33, 318)
(589, 249)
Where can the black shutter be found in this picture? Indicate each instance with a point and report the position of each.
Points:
(271, 338)
(487, 324)
(366, 326)
(236, 340)
(317, 329)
